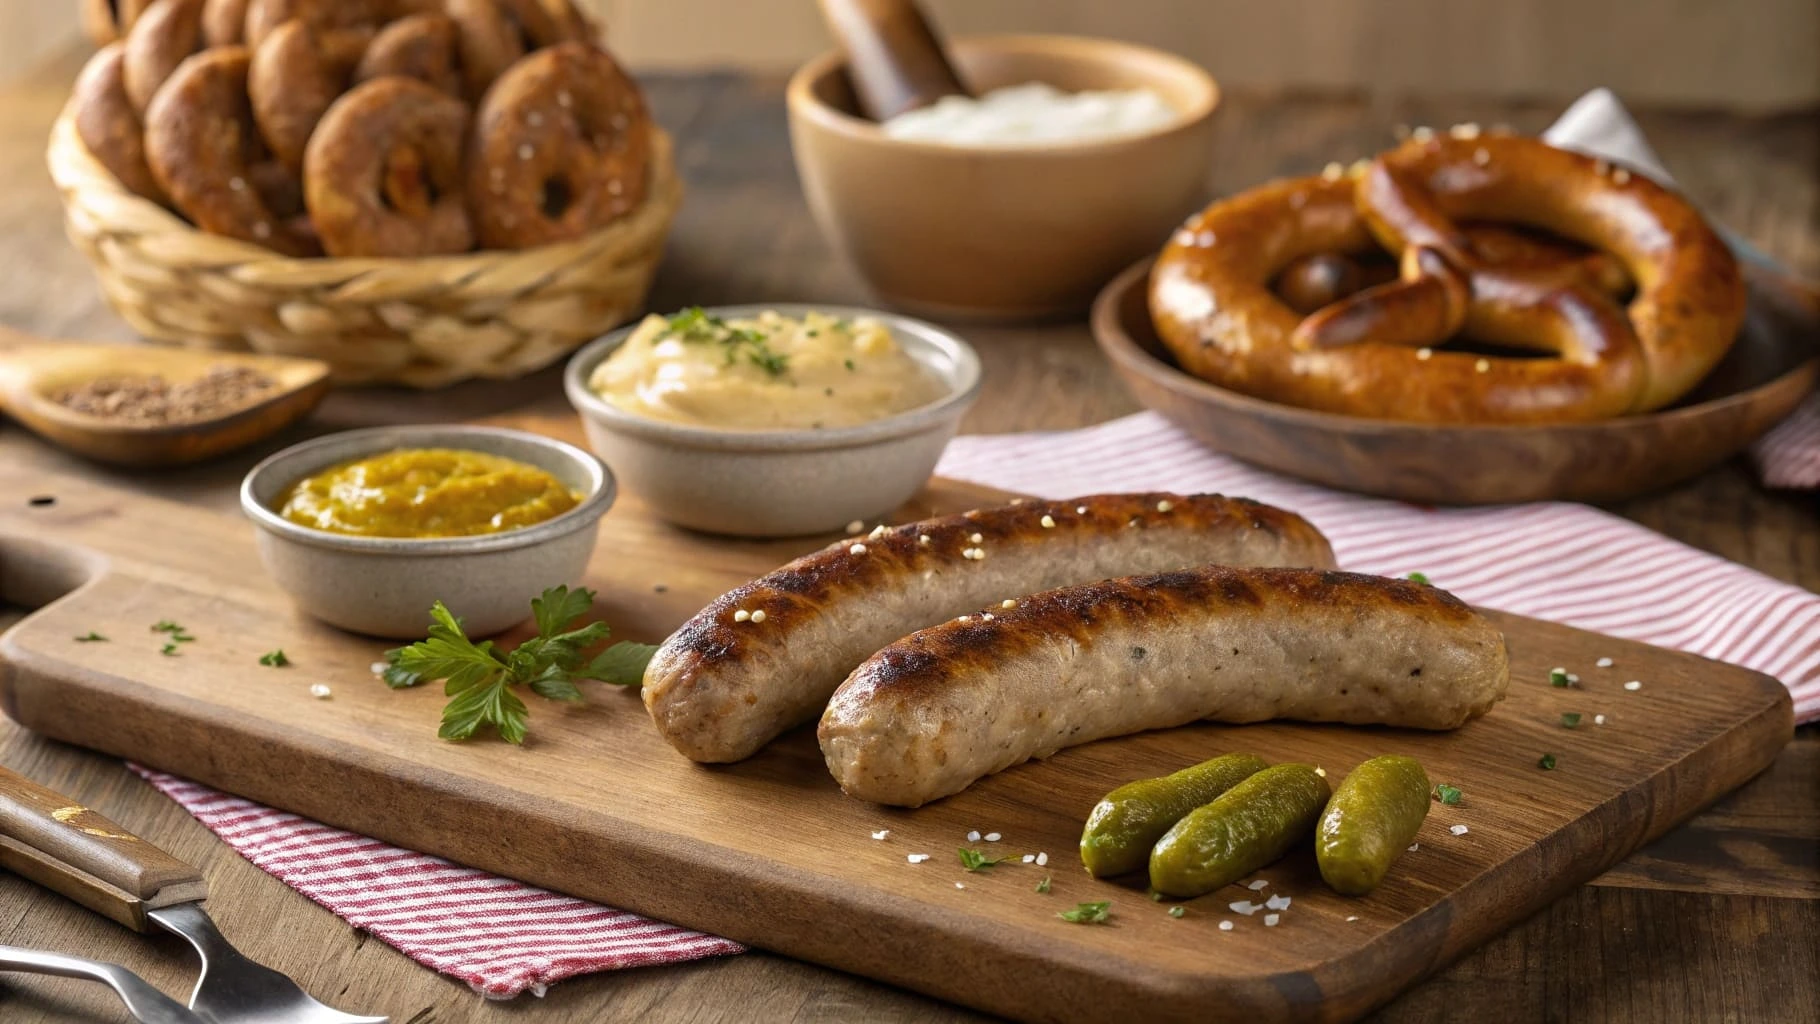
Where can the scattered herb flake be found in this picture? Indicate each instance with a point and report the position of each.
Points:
(168, 650)
(1156, 897)
(1570, 719)
(848, 363)
(1547, 763)
(1447, 794)
(166, 626)
(695, 325)
(1043, 886)
(1088, 913)
(973, 860)
(1177, 911)
(479, 678)
(274, 659)
(1420, 577)
(91, 637)
(1558, 677)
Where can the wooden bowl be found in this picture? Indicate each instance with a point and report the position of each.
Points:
(1766, 375)
(1003, 233)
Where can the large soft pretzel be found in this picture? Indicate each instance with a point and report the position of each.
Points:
(1377, 352)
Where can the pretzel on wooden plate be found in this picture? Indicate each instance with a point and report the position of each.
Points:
(1377, 353)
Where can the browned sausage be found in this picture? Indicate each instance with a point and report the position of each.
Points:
(765, 657)
(926, 716)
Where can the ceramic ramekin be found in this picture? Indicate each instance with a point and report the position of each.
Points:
(384, 586)
(781, 483)
(1013, 232)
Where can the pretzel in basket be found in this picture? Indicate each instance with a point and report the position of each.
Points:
(382, 175)
(108, 125)
(291, 82)
(421, 46)
(161, 39)
(1567, 349)
(204, 150)
(223, 22)
(560, 148)
(495, 34)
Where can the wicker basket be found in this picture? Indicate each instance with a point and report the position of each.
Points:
(425, 323)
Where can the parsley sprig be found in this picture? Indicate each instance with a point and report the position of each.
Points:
(973, 860)
(697, 325)
(479, 678)
(1088, 913)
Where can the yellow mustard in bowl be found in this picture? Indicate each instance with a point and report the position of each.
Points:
(426, 492)
(768, 372)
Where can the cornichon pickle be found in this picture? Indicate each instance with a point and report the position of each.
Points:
(1370, 821)
(1130, 819)
(1243, 829)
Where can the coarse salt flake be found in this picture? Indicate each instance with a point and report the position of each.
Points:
(1225, 926)
(1245, 907)
(1425, 353)
(1598, 719)
(1042, 859)
(1482, 366)
(525, 152)
(993, 837)
(1333, 171)
(1603, 663)
(1633, 685)
(320, 691)
(976, 538)
(378, 668)
(857, 549)
(1257, 886)
(741, 615)
(1048, 522)
(965, 618)
(1029, 858)
(1278, 902)
(1164, 506)
(1458, 830)
(1270, 920)
(1464, 131)
(855, 526)
(1080, 510)
(924, 539)
(877, 532)
(1007, 603)
(1352, 917)
(1322, 772)
(758, 616)
(1413, 847)
(917, 858)
(1422, 133)
(1481, 156)
(960, 885)
(973, 836)
(883, 833)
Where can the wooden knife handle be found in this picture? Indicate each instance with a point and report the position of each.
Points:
(64, 846)
(894, 57)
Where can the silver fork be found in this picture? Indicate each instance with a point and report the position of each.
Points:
(64, 846)
(145, 1003)
(232, 988)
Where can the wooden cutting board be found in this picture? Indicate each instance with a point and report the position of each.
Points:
(769, 852)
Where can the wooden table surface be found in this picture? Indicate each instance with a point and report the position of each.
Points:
(1719, 920)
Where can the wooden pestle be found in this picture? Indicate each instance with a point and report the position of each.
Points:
(894, 57)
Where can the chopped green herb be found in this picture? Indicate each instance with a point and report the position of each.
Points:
(479, 677)
(1558, 677)
(848, 363)
(274, 659)
(166, 626)
(91, 637)
(1418, 577)
(1570, 719)
(1547, 763)
(695, 325)
(1088, 913)
(1447, 794)
(1156, 897)
(168, 650)
(973, 860)
(1177, 911)
(1043, 886)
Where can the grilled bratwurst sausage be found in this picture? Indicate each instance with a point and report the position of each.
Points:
(766, 656)
(926, 716)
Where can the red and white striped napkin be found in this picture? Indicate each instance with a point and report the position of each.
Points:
(1569, 563)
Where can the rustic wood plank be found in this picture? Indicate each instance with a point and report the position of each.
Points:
(1756, 175)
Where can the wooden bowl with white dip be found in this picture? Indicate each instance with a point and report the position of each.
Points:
(777, 420)
(999, 219)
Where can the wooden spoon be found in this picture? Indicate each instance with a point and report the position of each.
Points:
(894, 57)
(32, 369)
